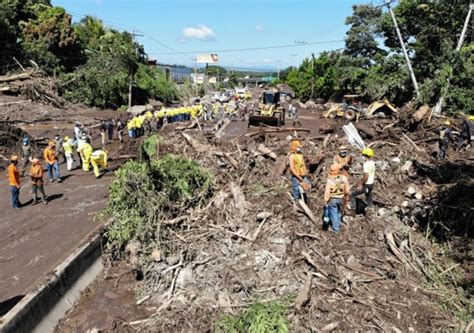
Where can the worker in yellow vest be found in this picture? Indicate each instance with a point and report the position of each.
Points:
(298, 171)
(99, 160)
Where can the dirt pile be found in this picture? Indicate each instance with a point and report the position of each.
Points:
(249, 241)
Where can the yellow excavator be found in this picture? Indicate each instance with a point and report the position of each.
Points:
(269, 111)
(350, 109)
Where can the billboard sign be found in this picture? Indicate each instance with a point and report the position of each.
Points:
(211, 58)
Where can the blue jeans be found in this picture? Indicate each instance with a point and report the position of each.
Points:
(15, 196)
(295, 184)
(335, 213)
(53, 171)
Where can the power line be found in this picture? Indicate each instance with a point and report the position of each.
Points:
(254, 48)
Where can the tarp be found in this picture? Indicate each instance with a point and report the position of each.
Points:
(353, 136)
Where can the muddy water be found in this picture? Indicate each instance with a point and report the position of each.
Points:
(108, 305)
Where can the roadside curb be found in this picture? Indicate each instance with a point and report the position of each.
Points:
(37, 305)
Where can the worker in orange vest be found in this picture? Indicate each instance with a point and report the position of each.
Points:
(37, 184)
(344, 160)
(336, 191)
(298, 171)
(51, 158)
(14, 181)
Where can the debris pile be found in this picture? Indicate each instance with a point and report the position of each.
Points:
(241, 240)
(10, 140)
(32, 85)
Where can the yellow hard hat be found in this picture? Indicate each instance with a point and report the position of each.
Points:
(51, 144)
(368, 152)
(446, 122)
(66, 138)
(343, 147)
(471, 118)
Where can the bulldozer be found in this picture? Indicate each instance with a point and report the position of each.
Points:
(269, 112)
(349, 109)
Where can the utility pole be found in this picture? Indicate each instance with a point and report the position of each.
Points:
(312, 75)
(439, 104)
(410, 69)
(130, 83)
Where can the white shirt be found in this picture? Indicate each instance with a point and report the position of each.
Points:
(369, 168)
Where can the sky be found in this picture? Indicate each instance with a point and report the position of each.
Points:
(279, 33)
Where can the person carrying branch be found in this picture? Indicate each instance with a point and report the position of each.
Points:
(298, 170)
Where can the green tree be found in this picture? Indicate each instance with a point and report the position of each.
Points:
(361, 38)
(49, 38)
(12, 12)
(154, 83)
(103, 80)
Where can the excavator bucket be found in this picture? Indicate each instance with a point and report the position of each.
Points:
(383, 107)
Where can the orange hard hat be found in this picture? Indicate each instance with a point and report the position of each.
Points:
(294, 145)
(334, 170)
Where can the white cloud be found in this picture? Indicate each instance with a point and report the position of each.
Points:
(200, 32)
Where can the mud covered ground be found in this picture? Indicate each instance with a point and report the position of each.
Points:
(35, 239)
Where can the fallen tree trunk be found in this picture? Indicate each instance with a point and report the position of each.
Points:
(304, 295)
(22, 76)
(280, 167)
(277, 130)
(267, 152)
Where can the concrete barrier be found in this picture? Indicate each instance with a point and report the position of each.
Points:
(40, 310)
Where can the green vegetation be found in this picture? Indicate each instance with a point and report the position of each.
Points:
(94, 62)
(144, 195)
(257, 318)
(431, 30)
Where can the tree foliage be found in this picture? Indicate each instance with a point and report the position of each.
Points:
(94, 62)
(372, 62)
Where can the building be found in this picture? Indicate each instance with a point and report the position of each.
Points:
(178, 74)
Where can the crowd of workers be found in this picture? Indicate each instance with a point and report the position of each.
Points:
(60, 150)
(337, 194)
(151, 121)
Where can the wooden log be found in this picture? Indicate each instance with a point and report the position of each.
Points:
(22, 76)
(420, 114)
(240, 203)
(304, 295)
(276, 130)
(220, 127)
(267, 152)
(280, 167)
